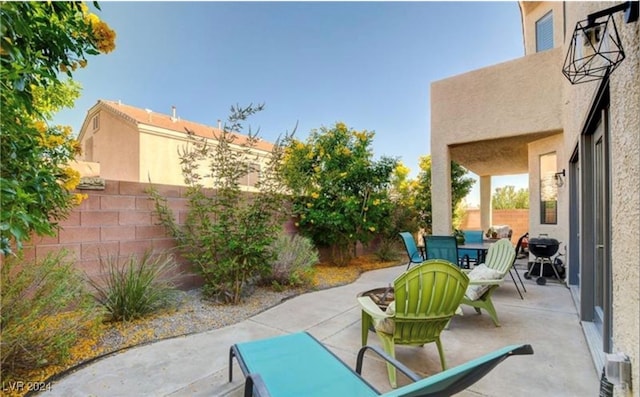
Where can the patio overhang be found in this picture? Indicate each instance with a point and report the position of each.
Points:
(486, 119)
(499, 156)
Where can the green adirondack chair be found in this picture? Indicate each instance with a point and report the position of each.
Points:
(500, 259)
(426, 297)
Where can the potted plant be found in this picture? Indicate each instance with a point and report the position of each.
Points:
(459, 235)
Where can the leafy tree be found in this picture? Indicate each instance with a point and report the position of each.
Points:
(508, 198)
(460, 187)
(340, 194)
(39, 40)
(402, 216)
(228, 233)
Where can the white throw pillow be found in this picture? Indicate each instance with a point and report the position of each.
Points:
(480, 272)
(386, 325)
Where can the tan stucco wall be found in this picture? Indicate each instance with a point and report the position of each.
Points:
(115, 146)
(625, 144)
(87, 169)
(558, 231)
(624, 140)
(530, 95)
(160, 157)
(516, 98)
(512, 98)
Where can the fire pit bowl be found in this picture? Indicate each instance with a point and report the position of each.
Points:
(381, 296)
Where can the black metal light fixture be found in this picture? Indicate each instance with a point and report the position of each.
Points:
(559, 178)
(595, 49)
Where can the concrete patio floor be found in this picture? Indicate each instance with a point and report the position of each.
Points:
(197, 365)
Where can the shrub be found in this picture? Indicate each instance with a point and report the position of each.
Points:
(226, 235)
(387, 249)
(340, 192)
(133, 288)
(294, 257)
(45, 307)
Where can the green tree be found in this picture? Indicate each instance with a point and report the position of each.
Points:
(508, 198)
(402, 215)
(39, 41)
(460, 187)
(228, 233)
(340, 194)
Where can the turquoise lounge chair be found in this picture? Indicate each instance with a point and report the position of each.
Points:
(299, 365)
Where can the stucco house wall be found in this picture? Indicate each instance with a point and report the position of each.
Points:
(114, 144)
(559, 231)
(462, 129)
(140, 145)
(624, 141)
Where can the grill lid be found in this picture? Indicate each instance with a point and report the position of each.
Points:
(543, 241)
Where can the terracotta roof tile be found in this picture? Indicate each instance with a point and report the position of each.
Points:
(142, 116)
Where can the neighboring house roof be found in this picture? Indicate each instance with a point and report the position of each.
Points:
(160, 120)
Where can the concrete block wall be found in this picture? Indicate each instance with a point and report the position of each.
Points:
(517, 219)
(116, 221)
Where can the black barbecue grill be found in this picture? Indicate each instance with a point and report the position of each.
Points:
(543, 248)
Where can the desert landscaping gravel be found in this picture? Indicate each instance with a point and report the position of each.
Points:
(190, 312)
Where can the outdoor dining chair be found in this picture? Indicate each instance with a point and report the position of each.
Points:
(469, 255)
(415, 256)
(299, 365)
(441, 247)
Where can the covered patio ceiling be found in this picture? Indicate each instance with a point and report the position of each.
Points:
(503, 156)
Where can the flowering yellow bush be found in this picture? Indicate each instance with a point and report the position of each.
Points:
(35, 180)
(104, 36)
(339, 199)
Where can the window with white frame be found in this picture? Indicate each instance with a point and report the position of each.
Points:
(548, 189)
(544, 32)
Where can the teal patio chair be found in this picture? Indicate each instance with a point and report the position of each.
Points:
(426, 297)
(468, 255)
(499, 260)
(441, 247)
(299, 365)
(412, 249)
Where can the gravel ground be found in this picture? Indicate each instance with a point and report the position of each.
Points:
(190, 313)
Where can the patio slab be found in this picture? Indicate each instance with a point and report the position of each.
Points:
(197, 365)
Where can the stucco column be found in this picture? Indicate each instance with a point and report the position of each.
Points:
(486, 215)
(441, 189)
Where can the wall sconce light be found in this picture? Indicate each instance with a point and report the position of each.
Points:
(559, 178)
(595, 49)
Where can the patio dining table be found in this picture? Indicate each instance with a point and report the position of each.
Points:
(480, 248)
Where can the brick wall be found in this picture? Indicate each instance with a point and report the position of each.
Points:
(518, 220)
(118, 221)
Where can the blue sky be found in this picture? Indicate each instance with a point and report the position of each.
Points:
(368, 64)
